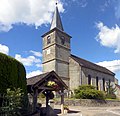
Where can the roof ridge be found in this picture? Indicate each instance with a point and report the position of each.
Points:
(90, 63)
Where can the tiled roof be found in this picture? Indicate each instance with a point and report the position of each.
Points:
(35, 79)
(90, 65)
(56, 21)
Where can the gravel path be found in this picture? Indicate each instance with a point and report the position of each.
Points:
(91, 111)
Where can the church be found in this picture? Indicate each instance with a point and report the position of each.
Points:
(73, 70)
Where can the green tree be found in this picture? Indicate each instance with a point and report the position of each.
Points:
(110, 93)
(12, 74)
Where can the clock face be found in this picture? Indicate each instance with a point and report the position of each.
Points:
(48, 51)
(62, 40)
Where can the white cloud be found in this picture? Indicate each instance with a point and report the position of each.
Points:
(114, 65)
(4, 49)
(109, 37)
(39, 65)
(5, 28)
(38, 54)
(28, 61)
(29, 12)
(33, 73)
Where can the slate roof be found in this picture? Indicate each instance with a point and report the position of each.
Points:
(90, 65)
(35, 79)
(56, 21)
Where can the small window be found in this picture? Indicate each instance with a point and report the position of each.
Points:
(97, 83)
(89, 80)
(103, 84)
(48, 40)
(62, 40)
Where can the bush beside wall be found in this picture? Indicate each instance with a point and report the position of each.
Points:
(88, 92)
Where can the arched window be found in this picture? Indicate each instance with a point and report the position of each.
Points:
(103, 84)
(48, 39)
(89, 80)
(97, 83)
(62, 40)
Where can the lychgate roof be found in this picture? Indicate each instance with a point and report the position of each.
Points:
(90, 65)
(39, 81)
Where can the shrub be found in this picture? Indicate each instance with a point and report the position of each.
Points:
(88, 92)
(12, 103)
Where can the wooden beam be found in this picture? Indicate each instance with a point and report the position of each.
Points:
(45, 88)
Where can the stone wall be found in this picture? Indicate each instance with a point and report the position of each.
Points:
(91, 103)
(79, 75)
(74, 74)
(94, 74)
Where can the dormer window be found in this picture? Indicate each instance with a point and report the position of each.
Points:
(62, 40)
(48, 40)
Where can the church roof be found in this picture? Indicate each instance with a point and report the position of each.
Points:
(90, 65)
(56, 21)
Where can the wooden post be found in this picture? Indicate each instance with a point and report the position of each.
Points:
(47, 99)
(47, 106)
(62, 101)
(35, 99)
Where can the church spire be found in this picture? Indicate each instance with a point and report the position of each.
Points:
(56, 21)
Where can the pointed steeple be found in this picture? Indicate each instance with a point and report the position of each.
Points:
(56, 21)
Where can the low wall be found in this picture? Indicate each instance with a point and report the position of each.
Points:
(91, 103)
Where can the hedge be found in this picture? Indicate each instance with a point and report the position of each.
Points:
(12, 74)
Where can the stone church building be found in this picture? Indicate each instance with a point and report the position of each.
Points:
(73, 70)
(70, 70)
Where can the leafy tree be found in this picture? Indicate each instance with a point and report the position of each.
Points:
(110, 93)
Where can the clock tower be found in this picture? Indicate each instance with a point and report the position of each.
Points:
(56, 49)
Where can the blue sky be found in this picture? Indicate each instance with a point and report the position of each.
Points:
(93, 24)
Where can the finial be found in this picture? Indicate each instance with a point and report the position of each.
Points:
(56, 3)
